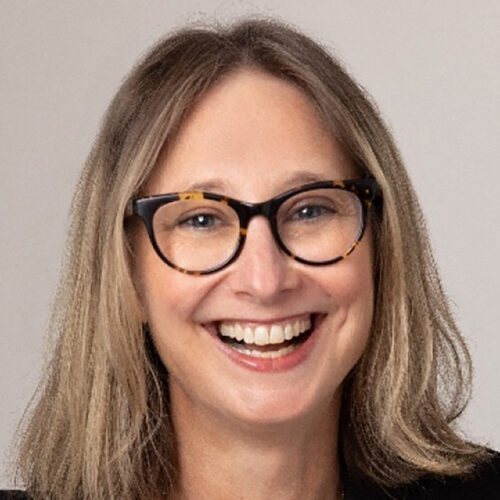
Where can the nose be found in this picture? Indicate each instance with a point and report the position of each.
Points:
(263, 272)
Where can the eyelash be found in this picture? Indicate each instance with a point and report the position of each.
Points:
(321, 208)
(189, 220)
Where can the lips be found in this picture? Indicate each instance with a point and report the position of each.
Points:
(272, 346)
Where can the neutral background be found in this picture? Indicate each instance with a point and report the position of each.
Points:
(432, 67)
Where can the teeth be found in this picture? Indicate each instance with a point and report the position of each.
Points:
(268, 354)
(261, 336)
(238, 331)
(247, 335)
(276, 335)
(265, 335)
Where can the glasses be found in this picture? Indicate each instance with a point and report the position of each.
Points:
(200, 233)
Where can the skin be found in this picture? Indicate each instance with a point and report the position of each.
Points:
(245, 434)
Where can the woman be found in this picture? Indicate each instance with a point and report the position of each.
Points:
(250, 307)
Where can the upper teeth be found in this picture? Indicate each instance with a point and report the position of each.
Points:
(264, 335)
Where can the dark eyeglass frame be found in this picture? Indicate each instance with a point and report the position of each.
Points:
(366, 189)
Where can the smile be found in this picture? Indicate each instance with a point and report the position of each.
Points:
(266, 341)
(275, 337)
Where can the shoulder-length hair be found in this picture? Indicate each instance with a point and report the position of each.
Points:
(100, 427)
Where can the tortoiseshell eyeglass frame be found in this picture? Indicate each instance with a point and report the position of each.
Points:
(366, 189)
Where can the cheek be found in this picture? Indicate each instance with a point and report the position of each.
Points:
(156, 288)
(168, 309)
(351, 289)
(168, 299)
(157, 284)
(350, 282)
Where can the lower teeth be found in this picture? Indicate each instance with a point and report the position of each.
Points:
(264, 354)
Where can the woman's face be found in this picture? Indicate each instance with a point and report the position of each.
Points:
(252, 137)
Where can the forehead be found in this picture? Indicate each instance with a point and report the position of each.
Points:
(251, 135)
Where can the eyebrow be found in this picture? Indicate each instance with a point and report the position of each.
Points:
(220, 185)
(216, 184)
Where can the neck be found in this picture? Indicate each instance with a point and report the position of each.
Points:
(222, 459)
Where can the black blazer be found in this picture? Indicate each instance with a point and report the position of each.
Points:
(484, 485)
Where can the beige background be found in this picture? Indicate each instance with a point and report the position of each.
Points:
(432, 66)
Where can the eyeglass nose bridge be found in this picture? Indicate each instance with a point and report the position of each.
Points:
(247, 211)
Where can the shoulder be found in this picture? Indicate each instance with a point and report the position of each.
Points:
(14, 495)
(483, 484)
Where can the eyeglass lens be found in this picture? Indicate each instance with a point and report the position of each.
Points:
(316, 225)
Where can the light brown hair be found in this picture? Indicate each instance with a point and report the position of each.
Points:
(100, 428)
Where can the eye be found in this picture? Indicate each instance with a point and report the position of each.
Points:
(199, 221)
(311, 211)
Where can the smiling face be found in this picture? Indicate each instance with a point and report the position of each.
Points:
(252, 137)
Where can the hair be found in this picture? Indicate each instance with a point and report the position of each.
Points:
(99, 427)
